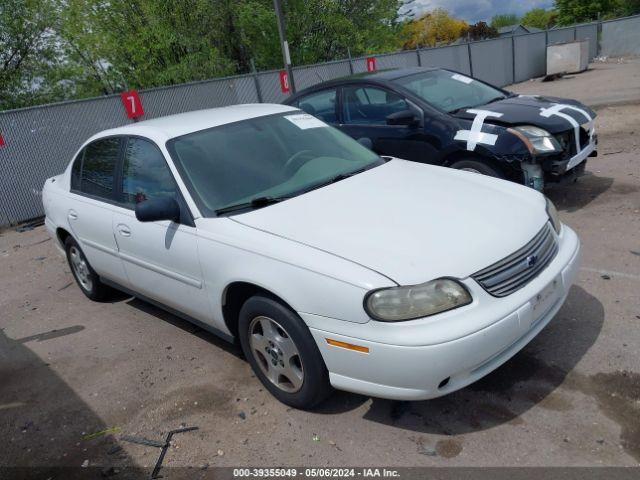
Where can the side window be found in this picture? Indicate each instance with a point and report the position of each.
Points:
(145, 173)
(370, 105)
(76, 171)
(98, 167)
(320, 104)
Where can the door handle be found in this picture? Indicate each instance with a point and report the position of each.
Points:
(73, 215)
(124, 230)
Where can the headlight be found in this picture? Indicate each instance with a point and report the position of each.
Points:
(553, 216)
(536, 139)
(416, 301)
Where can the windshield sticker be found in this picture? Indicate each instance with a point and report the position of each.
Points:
(556, 109)
(304, 121)
(461, 78)
(476, 135)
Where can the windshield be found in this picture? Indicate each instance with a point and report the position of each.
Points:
(268, 157)
(450, 91)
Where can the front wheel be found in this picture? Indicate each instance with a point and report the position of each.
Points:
(282, 353)
(476, 166)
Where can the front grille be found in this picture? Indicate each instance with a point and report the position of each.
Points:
(518, 269)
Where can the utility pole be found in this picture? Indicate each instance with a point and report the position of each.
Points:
(285, 46)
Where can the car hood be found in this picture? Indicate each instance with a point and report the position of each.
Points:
(526, 110)
(410, 222)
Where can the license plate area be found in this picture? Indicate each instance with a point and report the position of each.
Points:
(545, 300)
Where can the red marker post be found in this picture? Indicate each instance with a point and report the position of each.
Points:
(1, 140)
(132, 103)
(284, 81)
(371, 64)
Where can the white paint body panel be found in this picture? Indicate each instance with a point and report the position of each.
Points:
(321, 252)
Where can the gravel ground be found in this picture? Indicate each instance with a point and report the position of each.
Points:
(70, 368)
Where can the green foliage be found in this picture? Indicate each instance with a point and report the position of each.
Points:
(431, 29)
(579, 11)
(58, 49)
(504, 20)
(27, 52)
(539, 18)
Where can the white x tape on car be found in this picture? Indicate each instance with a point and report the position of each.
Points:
(476, 135)
(556, 110)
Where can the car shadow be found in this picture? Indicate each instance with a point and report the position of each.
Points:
(185, 325)
(530, 378)
(45, 423)
(575, 196)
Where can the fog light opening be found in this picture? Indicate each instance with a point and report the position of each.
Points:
(444, 383)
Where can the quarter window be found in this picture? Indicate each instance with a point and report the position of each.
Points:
(320, 104)
(76, 171)
(98, 167)
(371, 105)
(145, 173)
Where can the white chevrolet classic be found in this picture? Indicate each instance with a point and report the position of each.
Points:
(329, 265)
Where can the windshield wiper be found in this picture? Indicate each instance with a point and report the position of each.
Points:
(501, 97)
(257, 202)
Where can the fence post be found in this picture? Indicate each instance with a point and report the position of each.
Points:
(350, 61)
(470, 59)
(513, 59)
(546, 38)
(599, 37)
(418, 54)
(575, 33)
(256, 82)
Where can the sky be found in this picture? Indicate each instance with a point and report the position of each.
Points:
(475, 10)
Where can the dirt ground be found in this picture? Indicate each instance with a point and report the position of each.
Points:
(70, 368)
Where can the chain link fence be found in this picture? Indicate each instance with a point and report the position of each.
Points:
(40, 141)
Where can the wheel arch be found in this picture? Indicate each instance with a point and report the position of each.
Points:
(62, 234)
(235, 295)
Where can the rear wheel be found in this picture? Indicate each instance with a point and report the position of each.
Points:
(476, 166)
(282, 352)
(86, 277)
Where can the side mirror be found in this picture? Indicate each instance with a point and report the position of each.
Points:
(366, 142)
(403, 117)
(156, 209)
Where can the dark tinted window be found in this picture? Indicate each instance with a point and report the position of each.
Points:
(320, 104)
(145, 173)
(76, 171)
(98, 168)
(370, 105)
(450, 91)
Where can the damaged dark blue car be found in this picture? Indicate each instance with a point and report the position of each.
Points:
(442, 117)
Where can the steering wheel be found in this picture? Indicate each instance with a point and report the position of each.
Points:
(293, 164)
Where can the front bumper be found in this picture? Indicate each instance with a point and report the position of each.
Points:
(559, 168)
(400, 369)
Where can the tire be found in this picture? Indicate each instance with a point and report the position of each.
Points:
(86, 277)
(282, 353)
(477, 166)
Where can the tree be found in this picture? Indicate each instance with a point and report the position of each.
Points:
(539, 18)
(480, 31)
(28, 52)
(431, 29)
(504, 20)
(577, 11)
(318, 30)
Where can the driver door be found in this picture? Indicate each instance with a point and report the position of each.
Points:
(160, 258)
(364, 115)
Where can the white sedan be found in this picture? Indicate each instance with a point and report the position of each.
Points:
(330, 265)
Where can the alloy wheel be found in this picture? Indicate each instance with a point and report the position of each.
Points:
(276, 354)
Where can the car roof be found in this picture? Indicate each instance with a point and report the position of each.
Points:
(379, 76)
(180, 124)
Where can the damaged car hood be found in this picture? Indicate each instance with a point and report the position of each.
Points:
(540, 111)
(410, 222)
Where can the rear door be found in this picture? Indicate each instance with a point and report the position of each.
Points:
(93, 179)
(160, 258)
(364, 115)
